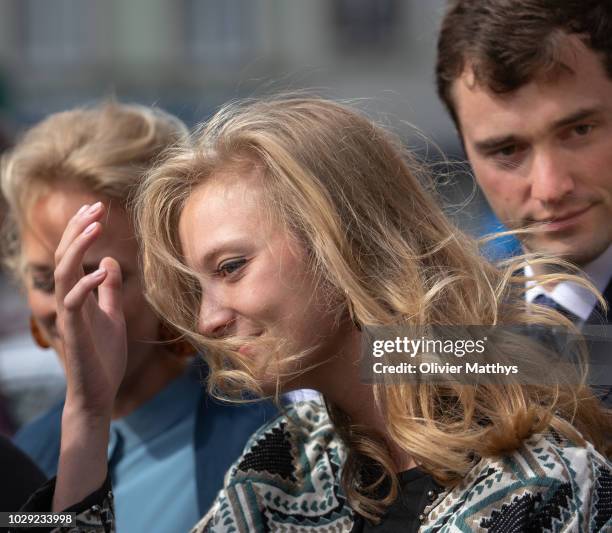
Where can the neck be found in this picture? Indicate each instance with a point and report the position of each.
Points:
(340, 382)
(540, 270)
(143, 381)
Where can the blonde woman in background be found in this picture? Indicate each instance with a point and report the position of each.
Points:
(168, 441)
(287, 227)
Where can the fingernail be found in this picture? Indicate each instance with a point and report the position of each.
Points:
(94, 208)
(90, 228)
(83, 209)
(99, 273)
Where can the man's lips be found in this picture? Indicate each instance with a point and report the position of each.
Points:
(564, 220)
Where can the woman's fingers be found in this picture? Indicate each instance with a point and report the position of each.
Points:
(77, 224)
(69, 270)
(109, 292)
(76, 297)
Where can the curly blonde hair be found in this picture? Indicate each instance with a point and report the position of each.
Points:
(349, 192)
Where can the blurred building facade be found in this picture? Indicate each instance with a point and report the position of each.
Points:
(192, 55)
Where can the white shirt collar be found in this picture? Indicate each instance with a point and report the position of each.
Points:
(572, 296)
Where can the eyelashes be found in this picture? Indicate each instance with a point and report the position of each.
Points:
(230, 267)
(46, 284)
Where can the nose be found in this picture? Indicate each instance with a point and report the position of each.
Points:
(551, 179)
(214, 320)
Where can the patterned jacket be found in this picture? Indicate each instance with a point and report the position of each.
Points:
(287, 480)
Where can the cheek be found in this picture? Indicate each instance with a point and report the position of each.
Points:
(504, 193)
(492, 183)
(310, 310)
(595, 175)
(262, 301)
(140, 320)
(41, 305)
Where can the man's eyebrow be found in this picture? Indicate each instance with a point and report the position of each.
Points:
(492, 143)
(577, 116)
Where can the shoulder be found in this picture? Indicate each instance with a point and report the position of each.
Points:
(47, 421)
(40, 438)
(288, 476)
(298, 437)
(549, 484)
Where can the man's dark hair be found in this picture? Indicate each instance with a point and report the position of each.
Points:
(508, 42)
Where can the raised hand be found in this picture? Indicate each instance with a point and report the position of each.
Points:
(95, 352)
(92, 331)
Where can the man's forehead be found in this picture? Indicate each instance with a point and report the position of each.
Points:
(480, 111)
(572, 60)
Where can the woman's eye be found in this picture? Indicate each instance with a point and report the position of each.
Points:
(44, 284)
(230, 267)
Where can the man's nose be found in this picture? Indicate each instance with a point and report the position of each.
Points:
(551, 180)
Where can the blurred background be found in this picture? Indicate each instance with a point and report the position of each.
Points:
(191, 56)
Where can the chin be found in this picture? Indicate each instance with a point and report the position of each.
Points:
(270, 384)
(576, 250)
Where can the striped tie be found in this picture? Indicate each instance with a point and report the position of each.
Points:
(542, 299)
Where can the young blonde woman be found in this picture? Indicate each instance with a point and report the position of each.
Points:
(272, 242)
(168, 439)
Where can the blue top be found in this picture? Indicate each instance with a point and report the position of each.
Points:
(170, 454)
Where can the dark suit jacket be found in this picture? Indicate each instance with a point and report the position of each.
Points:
(598, 316)
(601, 318)
(20, 476)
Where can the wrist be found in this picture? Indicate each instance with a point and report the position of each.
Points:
(78, 422)
(76, 409)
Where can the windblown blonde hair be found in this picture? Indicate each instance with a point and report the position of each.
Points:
(104, 149)
(348, 191)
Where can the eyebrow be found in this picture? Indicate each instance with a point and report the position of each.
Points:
(40, 268)
(577, 116)
(46, 269)
(492, 143)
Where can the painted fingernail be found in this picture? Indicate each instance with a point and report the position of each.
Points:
(83, 209)
(94, 208)
(99, 273)
(90, 228)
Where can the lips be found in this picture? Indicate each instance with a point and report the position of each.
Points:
(568, 216)
(247, 348)
(563, 220)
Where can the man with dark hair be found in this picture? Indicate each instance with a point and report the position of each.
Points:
(529, 86)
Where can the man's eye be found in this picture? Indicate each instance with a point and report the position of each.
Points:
(509, 156)
(230, 267)
(44, 284)
(583, 129)
(507, 151)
